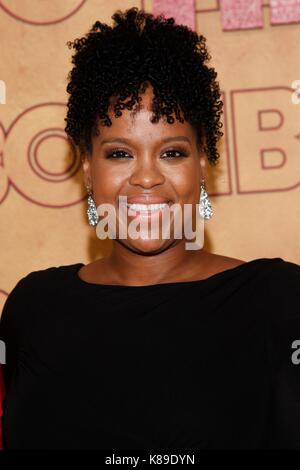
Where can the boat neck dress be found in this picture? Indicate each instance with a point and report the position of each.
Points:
(203, 364)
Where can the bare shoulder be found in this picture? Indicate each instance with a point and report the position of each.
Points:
(220, 263)
(94, 271)
(228, 262)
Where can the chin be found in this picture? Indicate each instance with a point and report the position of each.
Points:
(148, 246)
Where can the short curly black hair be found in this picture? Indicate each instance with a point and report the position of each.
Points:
(122, 60)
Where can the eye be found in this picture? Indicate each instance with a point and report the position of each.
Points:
(120, 154)
(170, 154)
(175, 153)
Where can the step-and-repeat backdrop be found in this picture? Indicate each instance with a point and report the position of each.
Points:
(254, 190)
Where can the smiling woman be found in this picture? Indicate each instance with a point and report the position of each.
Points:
(154, 164)
(154, 346)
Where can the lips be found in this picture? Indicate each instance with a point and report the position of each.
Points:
(147, 200)
(147, 208)
(145, 205)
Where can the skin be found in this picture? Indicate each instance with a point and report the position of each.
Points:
(146, 170)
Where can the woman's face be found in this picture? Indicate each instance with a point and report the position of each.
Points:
(149, 164)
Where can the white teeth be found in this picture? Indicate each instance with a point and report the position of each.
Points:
(146, 207)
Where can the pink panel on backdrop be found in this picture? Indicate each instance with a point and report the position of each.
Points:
(183, 11)
(241, 14)
(284, 11)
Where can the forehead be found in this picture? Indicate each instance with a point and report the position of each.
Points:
(136, 124)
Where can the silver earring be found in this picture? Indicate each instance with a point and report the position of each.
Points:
(205, 209)
(92, 213)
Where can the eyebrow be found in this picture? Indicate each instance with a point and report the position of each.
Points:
(166, 139)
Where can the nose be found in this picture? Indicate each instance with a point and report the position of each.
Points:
(146, 173)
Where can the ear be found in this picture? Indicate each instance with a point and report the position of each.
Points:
(86, 166)
(202, 161)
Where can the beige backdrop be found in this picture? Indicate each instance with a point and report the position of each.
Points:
(254, 190)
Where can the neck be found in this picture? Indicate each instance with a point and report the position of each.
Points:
(173, 264)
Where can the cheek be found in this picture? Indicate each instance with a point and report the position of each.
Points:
(185, 182)
(108, 181)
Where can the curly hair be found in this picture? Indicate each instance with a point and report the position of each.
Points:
(123, 59)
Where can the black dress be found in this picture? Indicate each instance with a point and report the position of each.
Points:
(207, 364)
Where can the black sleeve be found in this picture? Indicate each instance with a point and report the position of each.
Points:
(283, 346)
(13, 326)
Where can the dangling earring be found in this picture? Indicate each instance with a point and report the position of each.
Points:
(205, 209)
(92, 214)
